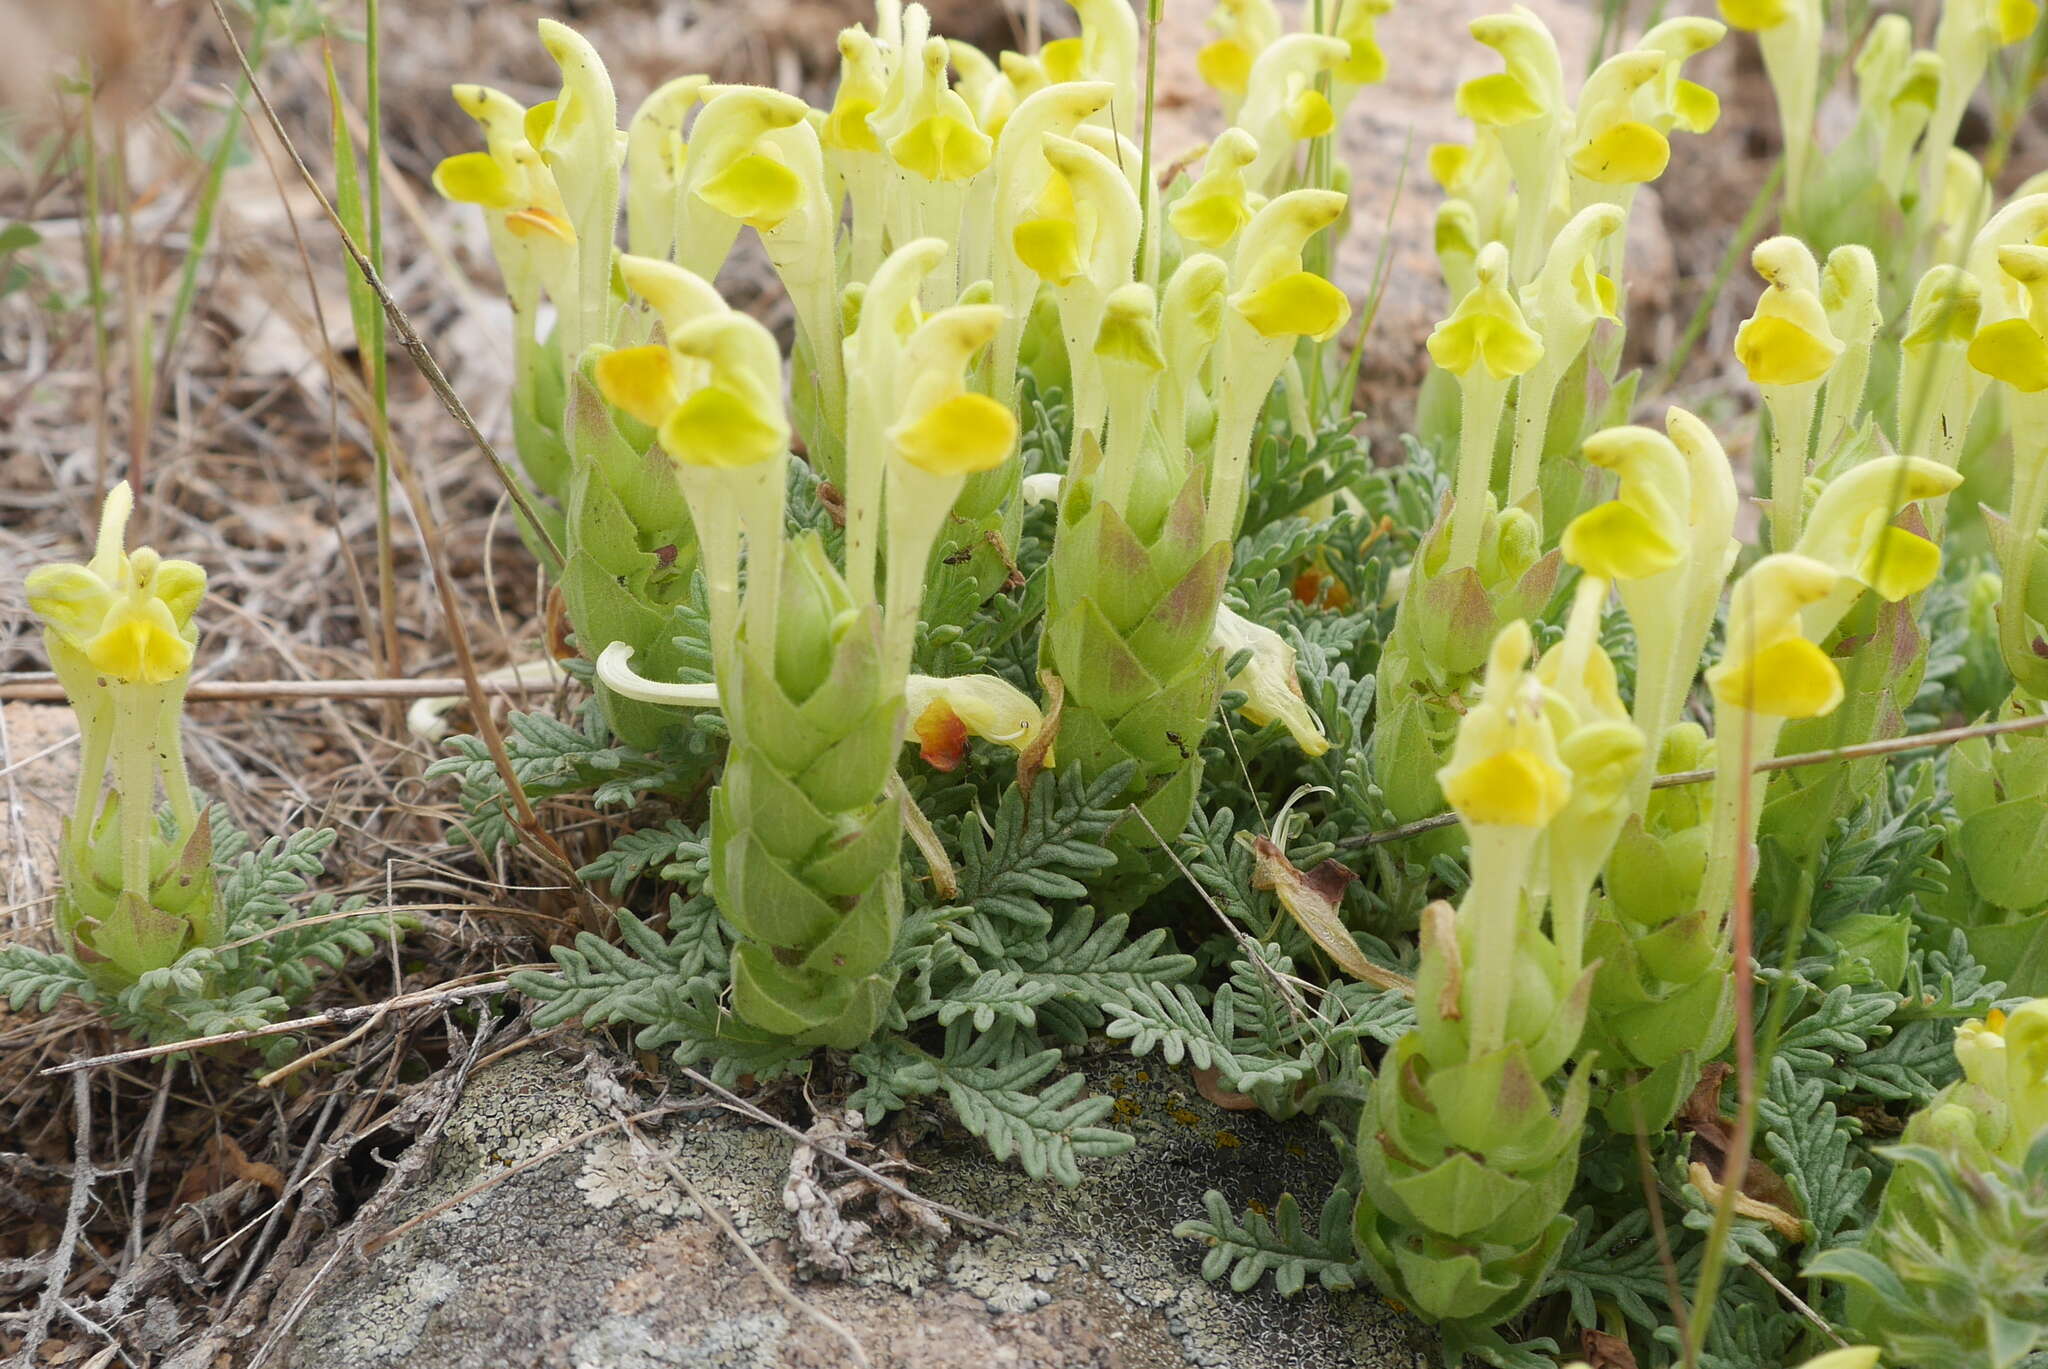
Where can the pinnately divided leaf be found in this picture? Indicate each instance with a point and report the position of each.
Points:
(1246, 1250)
(1810, 1146)
(1038, 849)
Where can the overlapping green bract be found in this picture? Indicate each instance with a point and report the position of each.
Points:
(805, 841)
(631, 553)
(1468, 1158)
(1955, 1269)
(1128, 624)
(1447, 618)
(1662, 990)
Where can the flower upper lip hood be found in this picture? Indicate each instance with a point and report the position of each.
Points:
(1788, 340)
(1282, 88)
(1769, 666)
(1610, 144)
(1487, 328)
(655, 156)
(2015, 349)
(1642, 531)
(1849, 294)
(1532, 87)
(1109, 52)
(1849, 527)
(129, 614)
(1504, 768)
(1947, 304)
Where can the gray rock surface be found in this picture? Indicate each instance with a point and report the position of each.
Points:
(599, 1259)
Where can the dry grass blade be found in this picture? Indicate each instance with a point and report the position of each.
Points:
(753, 1257)
(408, 336)
(40, 689)
(746, 1109)
(425, 998)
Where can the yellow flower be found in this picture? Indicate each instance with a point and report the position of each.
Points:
(735, 167)
(2015, 349)
(1849, 529)
(1612, 146)
(650, 381)
(1274, 294)
(1357, 24)
(944, 713)
(1532, 86)
(941, 141)
(1218, 204)
(1269, 681)
(1769, 666)
(1487, 328)
(1130, 328)
(508, 174)
(1107, 50)
(1282, 105)
(1642, 531)
(1946, 306)
(863, 84)
(655, 152)
(2006, 1055)
(1456, 239)
(1787, 341)
(1504, 768)
(945, 429)
(1848, 1357)
(128, 614)
(736, 419)
(1848, 294)
(1994, 23)
(1246, 28)
(1670, 101)
(1757, 15)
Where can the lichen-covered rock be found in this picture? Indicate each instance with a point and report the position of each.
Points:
(599, 1259)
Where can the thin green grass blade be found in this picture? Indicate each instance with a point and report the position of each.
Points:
(208, 204)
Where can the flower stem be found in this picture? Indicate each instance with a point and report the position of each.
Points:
(1491, 909)
(1483, 398)
(1532, 426)
(1791, 410)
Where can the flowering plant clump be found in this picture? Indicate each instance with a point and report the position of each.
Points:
(156, 904)
(1486, 805)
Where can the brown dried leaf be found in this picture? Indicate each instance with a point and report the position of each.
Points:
(1034, 757)
(1603, 1351)
(1755, 1209)
(220, 1164)
(1207, 1083)
(1313, 899)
